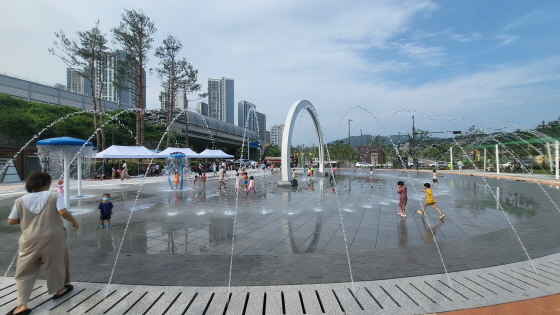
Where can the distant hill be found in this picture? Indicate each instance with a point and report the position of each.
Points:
(357, 141)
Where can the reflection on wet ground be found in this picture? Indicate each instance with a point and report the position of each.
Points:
(305, 219)
(277, 223)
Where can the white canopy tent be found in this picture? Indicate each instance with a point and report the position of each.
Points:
(186, 151)
(214, 154)
(126, 152)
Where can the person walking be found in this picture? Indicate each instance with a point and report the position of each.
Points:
(434, 178)
(200, 169)
(124, 172)
(403, 198)
(43, 238)
(221, 178)
(430, 201)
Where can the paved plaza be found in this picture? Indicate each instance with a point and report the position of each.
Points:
(321, 234)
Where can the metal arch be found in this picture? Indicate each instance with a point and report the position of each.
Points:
(287, 137)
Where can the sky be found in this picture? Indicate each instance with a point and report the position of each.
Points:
(451, 64)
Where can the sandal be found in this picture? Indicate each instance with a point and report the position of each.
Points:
(26, 312)
(68, 287)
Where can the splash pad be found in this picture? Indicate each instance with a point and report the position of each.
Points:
(290, 249)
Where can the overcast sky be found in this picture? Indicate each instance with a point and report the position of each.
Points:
(452, 64)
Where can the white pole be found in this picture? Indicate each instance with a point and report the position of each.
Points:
(484, 166)
(451, 156)
(549, 157)
(557, 160)
(79, 158)
(497, 160)
(66, 180)
(498, 198)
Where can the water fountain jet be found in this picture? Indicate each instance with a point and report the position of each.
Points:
(70, 148)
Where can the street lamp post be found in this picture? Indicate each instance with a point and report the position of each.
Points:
(361, 139)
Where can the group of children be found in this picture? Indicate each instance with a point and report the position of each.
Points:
(247, 181)
(106, 207)
(430, 200)
(202, 178)
(242, 178)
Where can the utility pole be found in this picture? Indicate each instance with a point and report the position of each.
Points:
(413, 130)
(350, 146)
(361, 139)
(349, 120)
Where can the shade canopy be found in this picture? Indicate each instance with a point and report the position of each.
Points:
(126, 152)
(186, 151)
(214, 154)
(70, 146)
(65, 141)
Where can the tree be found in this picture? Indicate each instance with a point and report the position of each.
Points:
(175, 75)
(273, 150)
(241, 152)
(189, 86)
(87, 53)
(375, 141)
(135, 35)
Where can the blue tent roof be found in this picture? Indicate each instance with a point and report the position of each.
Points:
(65, 141)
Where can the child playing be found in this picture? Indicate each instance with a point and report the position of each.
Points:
(430, 201)
(434, 178)
(176, 178)
(193, 181)
(113, 172)
(403, 198)
(237, 183)
(203, 179)
(105, 211)
(251, 185)
(245, 177)
(60, 187)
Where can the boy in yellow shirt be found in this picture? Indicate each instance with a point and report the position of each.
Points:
(430, 201)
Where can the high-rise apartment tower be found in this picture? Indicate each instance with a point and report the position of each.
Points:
(220, 99)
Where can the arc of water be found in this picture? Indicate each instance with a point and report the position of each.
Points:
(410, 178)
(285, 159)
(136, 200)
(505, 215)
(41, 132)
(9, 266)
(493, 137)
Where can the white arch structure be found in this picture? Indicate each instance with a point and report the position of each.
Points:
(287, 138)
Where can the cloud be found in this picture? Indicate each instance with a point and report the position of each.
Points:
(506, 39)
(338, 55)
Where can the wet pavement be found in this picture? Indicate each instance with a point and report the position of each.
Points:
(305, 235)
